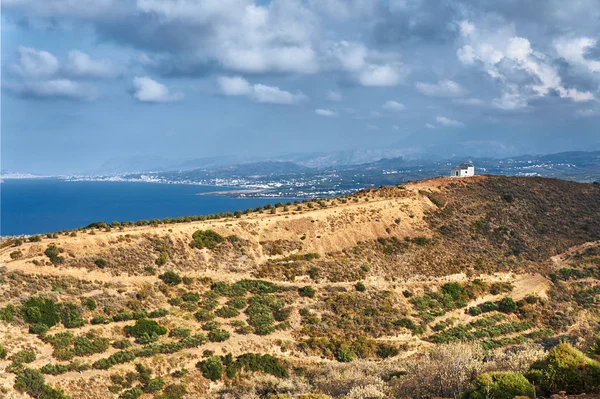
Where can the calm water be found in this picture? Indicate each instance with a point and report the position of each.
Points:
(46, 205)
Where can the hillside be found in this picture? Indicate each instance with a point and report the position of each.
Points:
(342, 293)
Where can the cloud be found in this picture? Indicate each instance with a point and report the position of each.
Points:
(430, 126)
(260, 93)
(444, 88)
(443, 121)
(325, 112)
(381, 75)
(35, 64)
(524, 72)
(333, 95)
(80, 64)
(368, 67)
(64, 89)
(393, 106)
(574, 51)
(234, 86)
(147, 90)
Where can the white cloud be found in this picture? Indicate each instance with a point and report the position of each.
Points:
(392, 105)
(444, 88)
(447, 122)
(274, 95)
(510, 102)
(36, 64)
(381, 75)
(260, 93)
(234, 86)
(369, 68)
(325, 112)
(334, 95)
(430, 126)
(466, 28)
(505, 57)
(574, 51)
(54, 88)
(80, 64)
(151, 91)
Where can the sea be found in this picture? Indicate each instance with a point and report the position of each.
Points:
(35, 206)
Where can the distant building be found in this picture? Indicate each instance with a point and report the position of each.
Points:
(463, 170)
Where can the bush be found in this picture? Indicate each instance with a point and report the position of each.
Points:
(38, 328)
(170, 277)
(41, 310)
(507, 305)
(566, 369)
(206, 239)
(145, 327)
(53, 253)
(101, 263)
(173, 391)
(218, 335)
(89, 303)
(2, 352)
(23, 356)
(70, 317)
(30, 381)
(162, 259)
(501, 385)
(227, 312)
(360, 286)
(344, 354)
(212, 368)
(308, 292)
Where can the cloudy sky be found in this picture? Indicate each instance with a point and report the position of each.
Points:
(84, 81)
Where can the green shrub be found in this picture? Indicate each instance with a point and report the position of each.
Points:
(203, 315)
(89, 303)
(206, 239)
(501, 385)
(170, 277)
(360, 286)
(53, 253)
(132, 393)
(38, 328)
(8, 313)
(191, 296)
(344, 354)
(41, 310)
(507, 305)
(238, 302)
(565, 369)
(162, 259)
(307, 291)
(121, 344)
(145, 327)
(218, 335)
(2, 351)
(227, 312)
(212, 368)
(23, 356)
(70, 316)
(180, 332)
(30, 381)
(101, 263)
(173, 391)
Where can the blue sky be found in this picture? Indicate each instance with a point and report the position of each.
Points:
(89, 80)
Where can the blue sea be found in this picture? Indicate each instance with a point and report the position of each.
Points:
(30, 206)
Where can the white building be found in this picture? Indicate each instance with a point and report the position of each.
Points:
(463, 170)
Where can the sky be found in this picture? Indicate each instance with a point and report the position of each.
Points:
(86, 81)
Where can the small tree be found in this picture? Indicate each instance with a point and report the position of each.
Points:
(212, 368)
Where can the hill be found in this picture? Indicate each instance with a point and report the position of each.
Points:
(342, 296)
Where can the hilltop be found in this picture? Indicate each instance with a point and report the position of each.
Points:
(371, 280)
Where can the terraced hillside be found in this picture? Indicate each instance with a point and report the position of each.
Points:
(337, 297)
